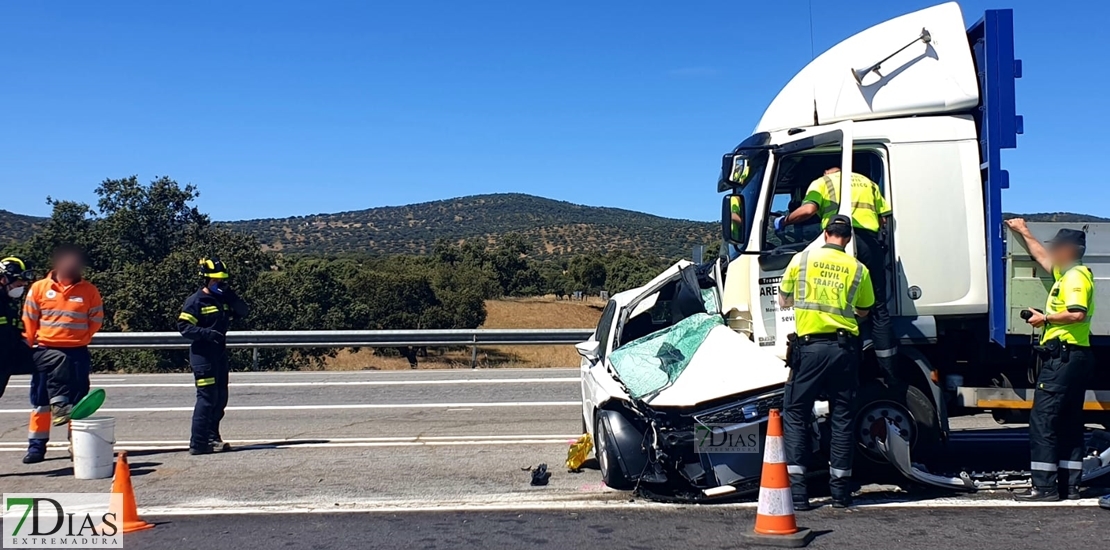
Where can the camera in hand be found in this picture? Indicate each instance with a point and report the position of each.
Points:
(1027, 314)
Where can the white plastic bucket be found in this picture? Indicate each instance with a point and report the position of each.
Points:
(94, 440)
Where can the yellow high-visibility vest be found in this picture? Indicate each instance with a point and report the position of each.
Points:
(827, 285)
(868, 204)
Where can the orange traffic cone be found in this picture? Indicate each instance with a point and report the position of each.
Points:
(122, 484)
(774, 520)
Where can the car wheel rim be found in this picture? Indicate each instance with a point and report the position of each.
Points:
(602, 450)
(871, 425)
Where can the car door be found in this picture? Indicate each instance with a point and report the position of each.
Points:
(593, 352)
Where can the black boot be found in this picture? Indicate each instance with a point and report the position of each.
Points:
(801, 504)
(33, 458)
(1037, 494)
(799, 493)
(1071, 492)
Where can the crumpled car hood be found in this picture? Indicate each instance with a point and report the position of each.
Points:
(725, 364)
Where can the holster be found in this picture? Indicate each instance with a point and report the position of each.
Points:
(847, 340)
(1054, 349)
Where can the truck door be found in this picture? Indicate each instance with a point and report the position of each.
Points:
(795, 165)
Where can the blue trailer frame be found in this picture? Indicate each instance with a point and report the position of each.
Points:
(992, 43)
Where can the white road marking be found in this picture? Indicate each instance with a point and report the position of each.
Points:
(481, 381)
(509, 404)
(605, 499)
(413, 438)
(281, 445)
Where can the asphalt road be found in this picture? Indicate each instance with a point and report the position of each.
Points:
(438, 459)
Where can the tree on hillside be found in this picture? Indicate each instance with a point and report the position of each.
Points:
(143, 243)
(587, 273)
(516, 275)
(624, 271)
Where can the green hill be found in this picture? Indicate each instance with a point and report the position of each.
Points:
(553, 227)
(17, 227)
(1057, 217)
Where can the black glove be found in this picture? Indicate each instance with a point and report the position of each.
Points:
(215, 336)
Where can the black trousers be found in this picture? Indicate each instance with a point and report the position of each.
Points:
(211, 377)
(871, 253)
(821, 368)
(1056, 432)
(52, 365)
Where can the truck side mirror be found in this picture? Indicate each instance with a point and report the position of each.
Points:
(733, 227)
(735, 170)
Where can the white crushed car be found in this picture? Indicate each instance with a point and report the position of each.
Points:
(675, 400)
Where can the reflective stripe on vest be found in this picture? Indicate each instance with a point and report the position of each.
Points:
(64, 324)
(833, 205)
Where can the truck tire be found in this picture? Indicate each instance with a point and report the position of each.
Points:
(910, 409)
(608, 456)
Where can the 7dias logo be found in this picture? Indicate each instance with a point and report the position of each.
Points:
(732, 438)
(62, 520)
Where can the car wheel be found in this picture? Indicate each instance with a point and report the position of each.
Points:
(910, 410)
(608, 456)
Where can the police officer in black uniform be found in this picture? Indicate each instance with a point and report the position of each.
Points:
(205, 319)
(1056, 431)
(828, 289)
(17, 356)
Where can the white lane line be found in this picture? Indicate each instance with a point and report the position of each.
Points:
(481, 381)
(606, 499)
(185, 445)
(278, 440)
(509, 404)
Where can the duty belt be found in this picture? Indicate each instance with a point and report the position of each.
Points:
(1057, 349)
(825, 337)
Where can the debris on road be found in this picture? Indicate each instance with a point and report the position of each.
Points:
(540, 476)
(578, 453)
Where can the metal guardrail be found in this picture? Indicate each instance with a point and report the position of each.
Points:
(350, 338)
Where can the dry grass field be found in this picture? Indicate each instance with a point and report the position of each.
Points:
(510, 313)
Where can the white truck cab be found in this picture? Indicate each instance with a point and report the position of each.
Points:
(906, 126)
(922, 106)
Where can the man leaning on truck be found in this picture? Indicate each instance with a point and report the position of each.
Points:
(1056, 439)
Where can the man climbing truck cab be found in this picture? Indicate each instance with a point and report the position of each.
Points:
(922, 107)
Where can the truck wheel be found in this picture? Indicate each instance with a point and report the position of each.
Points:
(910, 409)
(605, 446)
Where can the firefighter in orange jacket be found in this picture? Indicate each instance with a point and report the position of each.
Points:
(61, 312)
(205, 319)
(16, 356)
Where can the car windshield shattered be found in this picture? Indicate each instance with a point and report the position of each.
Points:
(680, 317)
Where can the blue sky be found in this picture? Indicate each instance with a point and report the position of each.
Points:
(281, 108)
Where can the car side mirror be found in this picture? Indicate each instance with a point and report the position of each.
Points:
(589, 349)
(733, 227)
